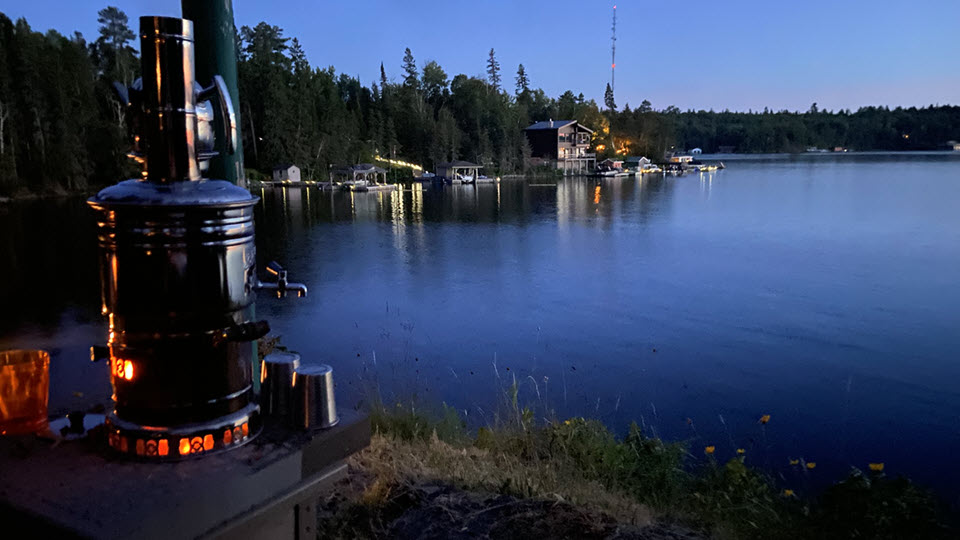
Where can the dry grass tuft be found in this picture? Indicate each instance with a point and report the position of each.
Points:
(394, 462)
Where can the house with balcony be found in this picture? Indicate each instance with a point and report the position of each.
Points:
(564, 143)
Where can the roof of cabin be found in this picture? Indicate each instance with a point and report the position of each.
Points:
(557, 124)
(459, 164)
(551, 124)
(360, 168)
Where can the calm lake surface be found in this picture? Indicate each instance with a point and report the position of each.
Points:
(822, 290)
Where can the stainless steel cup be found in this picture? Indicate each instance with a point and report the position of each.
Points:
(313, 397)
(276, 384)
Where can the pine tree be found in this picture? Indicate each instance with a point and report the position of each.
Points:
(608, 98)
(298, 56)
(523, 82)
(493, 71)
(410, 78)
(115, 35)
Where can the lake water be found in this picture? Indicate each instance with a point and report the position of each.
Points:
(821, 290)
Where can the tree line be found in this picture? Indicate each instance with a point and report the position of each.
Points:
(62, 129)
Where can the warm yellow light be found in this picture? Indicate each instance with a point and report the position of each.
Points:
(208, 442)
(163, 448)
(128, 370)
(227, 437)
(184, 447)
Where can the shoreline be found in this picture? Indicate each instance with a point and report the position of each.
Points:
(632, 487)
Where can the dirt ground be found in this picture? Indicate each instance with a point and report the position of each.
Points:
(365, 506)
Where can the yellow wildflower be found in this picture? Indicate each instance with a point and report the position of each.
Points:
(741, 451)
(764, 419)
(710, 449)
(788, 493)
(876, 467)
(811, 465)
(566, 422)
(794, 461)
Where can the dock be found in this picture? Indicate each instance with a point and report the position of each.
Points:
(328, 186)
(371, 187)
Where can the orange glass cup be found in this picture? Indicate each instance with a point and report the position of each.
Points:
(24, 391)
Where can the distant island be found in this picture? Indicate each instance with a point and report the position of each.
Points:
(62, 130)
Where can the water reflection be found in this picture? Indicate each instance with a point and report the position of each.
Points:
(47, 261)
(508, 201)
(285, 211)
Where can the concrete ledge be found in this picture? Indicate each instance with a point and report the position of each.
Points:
(80, 490)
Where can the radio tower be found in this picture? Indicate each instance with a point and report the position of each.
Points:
(613, 51)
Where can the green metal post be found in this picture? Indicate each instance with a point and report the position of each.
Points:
(215, 53)
(215, 50)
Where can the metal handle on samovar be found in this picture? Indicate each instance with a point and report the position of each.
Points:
(227, 115)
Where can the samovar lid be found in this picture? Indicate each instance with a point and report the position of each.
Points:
(200, 193)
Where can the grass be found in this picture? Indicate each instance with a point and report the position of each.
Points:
(636, 479)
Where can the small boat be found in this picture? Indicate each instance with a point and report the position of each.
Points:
(650, 169)
(458, 179)
(707, 168)
(425, 177)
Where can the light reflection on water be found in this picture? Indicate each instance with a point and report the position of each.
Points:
(821, 292)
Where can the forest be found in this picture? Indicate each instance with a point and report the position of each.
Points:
(62, 130)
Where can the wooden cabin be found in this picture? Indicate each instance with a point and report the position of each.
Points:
(565, 143)
(610, 165)
(286, 172)
(635, 163)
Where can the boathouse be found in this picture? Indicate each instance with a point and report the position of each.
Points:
(286, 172)
(455, 170)
(565, 143)
(611, 165)
(636, 162)
(362, 174)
